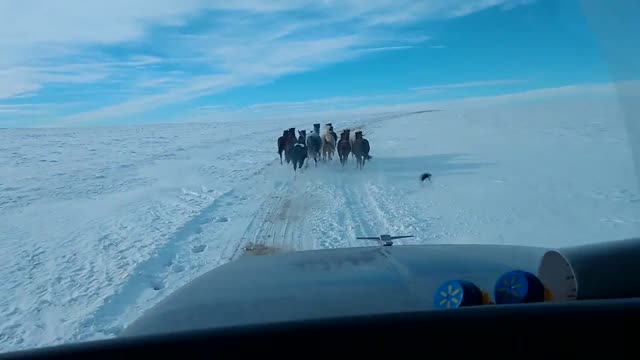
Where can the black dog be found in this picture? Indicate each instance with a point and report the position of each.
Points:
(425, 176)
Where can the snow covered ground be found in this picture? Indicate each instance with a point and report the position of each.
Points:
(99, 224)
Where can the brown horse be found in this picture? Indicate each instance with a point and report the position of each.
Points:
(344, 147)
(361, 150)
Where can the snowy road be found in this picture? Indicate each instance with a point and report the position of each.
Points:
(100, 224)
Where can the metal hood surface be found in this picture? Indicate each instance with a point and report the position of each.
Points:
(329, 283)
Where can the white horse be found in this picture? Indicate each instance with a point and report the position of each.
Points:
(328, 145)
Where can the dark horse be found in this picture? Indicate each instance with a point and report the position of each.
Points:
(361, 150)
(299, 152)
(289, 143)
(333, 133)
(282, 144)
(344, 147)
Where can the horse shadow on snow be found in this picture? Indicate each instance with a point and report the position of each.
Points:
(438, 165)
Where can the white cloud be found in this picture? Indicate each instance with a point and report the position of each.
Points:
(388, 48)
(15, 82)
(324, 103)
(432, 88)
(247, 42)
(324, 108)
(11, 111)
(556, 93)
(156, 82)
(342, 107)
(20, 80)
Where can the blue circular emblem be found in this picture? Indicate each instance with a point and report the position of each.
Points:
(457, 293)
(516, 287)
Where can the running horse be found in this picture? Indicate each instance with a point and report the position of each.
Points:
(314, 145)
(289, 143)
(361, 150)
(344, 147)
(328, 143)
(282, 144)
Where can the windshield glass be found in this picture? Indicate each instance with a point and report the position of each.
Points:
(144, 143)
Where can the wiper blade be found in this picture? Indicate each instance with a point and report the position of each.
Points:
(384, 240)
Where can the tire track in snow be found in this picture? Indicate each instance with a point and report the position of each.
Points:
(396, 216)
(263, 229)
(371, 209)
(358, 216)
(285, 217)
(303, 214)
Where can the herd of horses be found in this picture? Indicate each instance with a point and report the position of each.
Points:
(322, 147)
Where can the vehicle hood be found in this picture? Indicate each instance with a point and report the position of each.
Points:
(329, 283)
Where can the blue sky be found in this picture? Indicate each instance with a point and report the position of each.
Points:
(76, 62)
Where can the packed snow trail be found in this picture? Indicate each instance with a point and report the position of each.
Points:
(99, 225)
